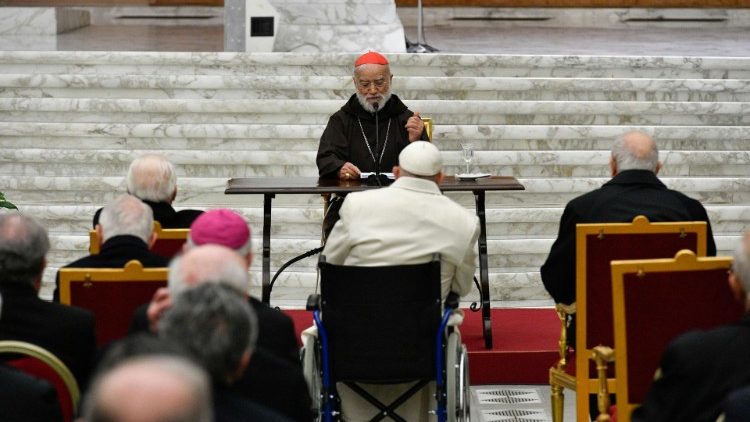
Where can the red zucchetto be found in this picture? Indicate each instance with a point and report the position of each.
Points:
(371, 57)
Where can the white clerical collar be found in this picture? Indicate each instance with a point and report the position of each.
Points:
(417, 184)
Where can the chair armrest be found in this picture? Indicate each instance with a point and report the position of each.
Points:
(313, 302)
(603, 355)
(563, 311)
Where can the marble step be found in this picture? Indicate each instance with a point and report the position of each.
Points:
(209, 192)
(519, 283)
(119, 63)
(305, 221)
(292, 137)
(318, 111)
(326, 87)
(211, 163)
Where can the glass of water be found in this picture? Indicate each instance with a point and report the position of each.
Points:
(467, 151)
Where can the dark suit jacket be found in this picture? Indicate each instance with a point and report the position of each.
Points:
(275, 330)
(737, 406)
(24, 398)
(115, 253)
(67, 332)
(698, 370)
(276, 384)
(230, 407)
(165, 215)
(628, 194)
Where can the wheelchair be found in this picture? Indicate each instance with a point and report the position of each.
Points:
(385, 325)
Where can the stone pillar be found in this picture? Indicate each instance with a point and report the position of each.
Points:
(249, 25)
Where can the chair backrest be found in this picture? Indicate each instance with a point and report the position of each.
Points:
(381, 321)
(600, 243)
(112, 294)
(663, 298)
(168, 241)
(40, 363)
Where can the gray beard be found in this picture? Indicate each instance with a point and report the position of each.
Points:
(368, 107)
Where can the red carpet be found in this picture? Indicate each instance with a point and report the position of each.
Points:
(524, 344)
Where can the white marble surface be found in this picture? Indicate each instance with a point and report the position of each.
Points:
(40, 21)
(549, 121)
(578, 17)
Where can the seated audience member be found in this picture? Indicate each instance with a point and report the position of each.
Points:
(126, 232)
(402, 224)
(152, 179)
(270, 380)
(737, 405)
(227, 228)
(30, 400)
(633, 190)
(66, 332)
(218, 330)
(159, 388)
(698, 369)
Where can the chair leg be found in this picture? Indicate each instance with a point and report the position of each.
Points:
(558, 402)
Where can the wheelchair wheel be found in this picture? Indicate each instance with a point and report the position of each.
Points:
(457, 380)
(311, 370)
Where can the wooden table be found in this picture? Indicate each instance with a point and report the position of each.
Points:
(269, 187)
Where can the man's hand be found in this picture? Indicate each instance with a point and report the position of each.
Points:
(414, 126)
(349, 171)
(159, 303)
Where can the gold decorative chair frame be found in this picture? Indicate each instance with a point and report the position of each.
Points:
(168, 241)
(681, 293)
(112, 294)
(29, 350)
(607, 239)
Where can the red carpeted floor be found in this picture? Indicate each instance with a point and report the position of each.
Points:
(524, 344)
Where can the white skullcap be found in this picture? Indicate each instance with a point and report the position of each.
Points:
(421, 158)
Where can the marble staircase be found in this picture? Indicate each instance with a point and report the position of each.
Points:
(70, 123)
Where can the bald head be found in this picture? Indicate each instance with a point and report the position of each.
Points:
(208, 264)
(151, 389)
(151, 177)
(634, 151)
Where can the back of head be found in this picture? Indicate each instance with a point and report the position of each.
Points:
(635, 151)
(420, 159)
(151, 177)
(150, 389)
(216, 325)
(741, 263)
(23, 247)
(221, 227)
(127, 215)
(207, 264)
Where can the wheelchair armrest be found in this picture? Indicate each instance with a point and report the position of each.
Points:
(313, 302)
(452, 300)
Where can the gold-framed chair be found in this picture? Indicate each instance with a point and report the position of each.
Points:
(112, 294)
(666, 297)
(168, 241)
(428, 126)
(597, 244)
(41, 363)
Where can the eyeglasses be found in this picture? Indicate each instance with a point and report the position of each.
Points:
(378, 83)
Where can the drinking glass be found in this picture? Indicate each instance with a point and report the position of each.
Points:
(468, 154)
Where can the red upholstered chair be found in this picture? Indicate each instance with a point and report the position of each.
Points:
(40, 363)
(664, 298)
(168, 241)
(112, 294)
(596, 246)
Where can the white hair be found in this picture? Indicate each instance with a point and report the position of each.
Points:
(127, 215)
(228, 272)
(627, 160)
(741, 263)
(151, 177)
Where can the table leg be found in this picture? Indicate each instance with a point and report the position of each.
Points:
(484, 275)
(266, 292)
